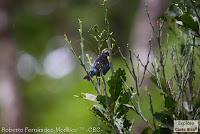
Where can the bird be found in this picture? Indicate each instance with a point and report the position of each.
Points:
(100, 66)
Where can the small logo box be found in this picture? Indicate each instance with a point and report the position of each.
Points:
(185, 125)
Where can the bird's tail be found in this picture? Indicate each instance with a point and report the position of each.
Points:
(87, 77)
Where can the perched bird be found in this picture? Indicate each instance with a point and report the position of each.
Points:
(100, 66)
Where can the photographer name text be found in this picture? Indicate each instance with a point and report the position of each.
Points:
(51, 130)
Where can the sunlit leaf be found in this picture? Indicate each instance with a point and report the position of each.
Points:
(88, 96)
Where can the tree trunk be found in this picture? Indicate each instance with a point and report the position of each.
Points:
(10, 100)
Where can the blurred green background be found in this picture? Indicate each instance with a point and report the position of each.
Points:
(49, 76)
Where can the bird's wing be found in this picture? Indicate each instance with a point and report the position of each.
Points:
(97, 64)
(100, 63)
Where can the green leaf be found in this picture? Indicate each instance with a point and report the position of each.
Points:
(162, 82)
(102, 100)
(127, 124)
(122, 109)
(116, 84)
(154, 80)
(130, 107)
(99, 112)
(174, 10)
(164, 86)
(188, 22)
(164, 118)
(170, 103)
(124, 98)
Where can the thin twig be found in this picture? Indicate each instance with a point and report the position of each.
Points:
(110, 56)
(147, 63)
(195, 10)
(142, 64)
(68, 42)
(152, 110)
(82, 39)
(148, 15)
(133, 72)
